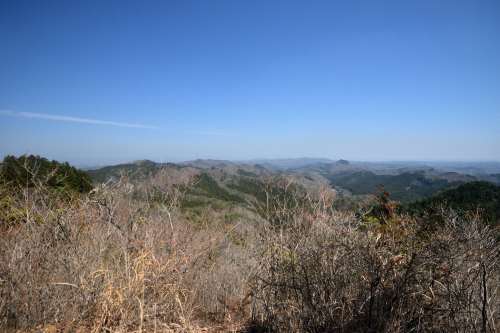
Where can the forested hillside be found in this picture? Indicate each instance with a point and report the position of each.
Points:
(476, 197)
(29, 171)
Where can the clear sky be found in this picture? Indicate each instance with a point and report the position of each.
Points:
(96, 82)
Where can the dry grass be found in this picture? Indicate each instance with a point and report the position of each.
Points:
(110, 262)
(122, 259)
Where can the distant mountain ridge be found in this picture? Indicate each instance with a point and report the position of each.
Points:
(243, 185)
(289, 163)
(405, 182)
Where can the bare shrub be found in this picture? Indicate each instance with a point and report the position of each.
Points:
(327, 272)
(111, 261)
(124, 258)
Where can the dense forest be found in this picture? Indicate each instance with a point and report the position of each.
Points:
(482, 198)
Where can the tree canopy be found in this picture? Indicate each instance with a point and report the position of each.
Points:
(32, 170)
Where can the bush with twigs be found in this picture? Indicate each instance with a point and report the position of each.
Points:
(326, 272)
(114, 260)
(126, 258)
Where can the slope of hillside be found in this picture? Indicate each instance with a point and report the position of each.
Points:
(482, 197)
(403, 187)
(138, 169)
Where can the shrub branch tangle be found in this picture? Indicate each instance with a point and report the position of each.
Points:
(124, 258)
(326, 272)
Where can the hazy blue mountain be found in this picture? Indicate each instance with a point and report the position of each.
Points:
(289, 163)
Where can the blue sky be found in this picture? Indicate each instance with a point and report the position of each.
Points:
(96, 82)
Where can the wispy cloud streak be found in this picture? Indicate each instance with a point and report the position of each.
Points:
(71, 119)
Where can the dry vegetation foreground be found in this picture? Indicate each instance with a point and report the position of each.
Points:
(120, 259)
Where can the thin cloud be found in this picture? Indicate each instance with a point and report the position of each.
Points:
(52, 117)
